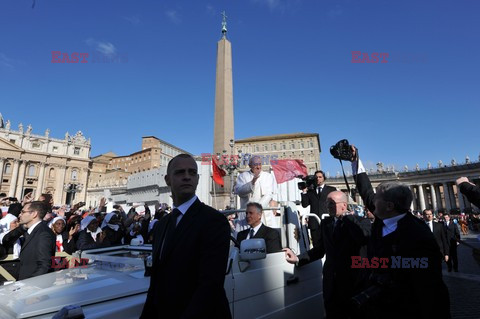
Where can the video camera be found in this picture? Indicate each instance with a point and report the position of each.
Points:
(342, 150)
(309, 181)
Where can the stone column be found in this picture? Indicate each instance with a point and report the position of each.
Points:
(60, 179)
(421, 197)
(461, 200)
(13, 181)
(434, 197)
(446, 195)
(2, 162)
(413, 206)
(438, 196)
(21, 179)
(41, 177)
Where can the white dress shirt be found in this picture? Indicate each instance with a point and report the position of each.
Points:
(184, 207)
(29, 230)
(391, 224)
(430, 225)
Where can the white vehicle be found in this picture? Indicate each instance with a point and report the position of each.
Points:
(113, 285)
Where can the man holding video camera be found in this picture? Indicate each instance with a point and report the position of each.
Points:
(314, 194)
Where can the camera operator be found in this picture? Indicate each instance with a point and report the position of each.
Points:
(315, 195)
(400, 292)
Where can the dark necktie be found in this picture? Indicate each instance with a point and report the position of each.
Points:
(251, 233)
(25, 236)
(170, 230)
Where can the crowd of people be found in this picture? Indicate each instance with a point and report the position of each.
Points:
(190, 243)
(66, 229)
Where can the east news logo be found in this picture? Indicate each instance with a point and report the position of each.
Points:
(396, 262)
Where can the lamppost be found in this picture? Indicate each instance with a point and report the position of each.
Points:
(230, 165)
(72, 189)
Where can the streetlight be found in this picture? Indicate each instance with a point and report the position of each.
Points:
(72, 189)
(230, 166)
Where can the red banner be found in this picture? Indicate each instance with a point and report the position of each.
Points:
(286, 170)
(218, 173)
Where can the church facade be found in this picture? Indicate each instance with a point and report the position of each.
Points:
(41, 164)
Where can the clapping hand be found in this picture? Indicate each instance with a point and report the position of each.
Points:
(73, 231)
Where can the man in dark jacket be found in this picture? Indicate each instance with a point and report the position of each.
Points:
(399, 237)
(316, 198)
(190, 253)
(39, 245)
(453, 239)
(259, 230)
(342, 236)
(439, 232)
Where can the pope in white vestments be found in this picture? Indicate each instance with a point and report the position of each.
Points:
(254, 185)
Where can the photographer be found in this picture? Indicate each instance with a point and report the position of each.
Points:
(400, 292)
(315, 194)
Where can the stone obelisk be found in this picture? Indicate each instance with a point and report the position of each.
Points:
(223, 126)
(223, 129)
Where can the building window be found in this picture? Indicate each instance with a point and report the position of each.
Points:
(31, 170)
(51, 173)
(55, 149)
(74, 175)
(274, 147)
(292, 146)
(35, 145)
(265, 147)
(311, 143)
(12, 141)
(284, 147)
(302, 145)
(8, 169)
(76, 151)
(257, 149)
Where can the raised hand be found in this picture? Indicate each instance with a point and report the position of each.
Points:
(28, 198)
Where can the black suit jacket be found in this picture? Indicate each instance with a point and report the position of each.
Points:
(37, 252)
(412, 291)
(338, 274)
(440, 235)
(271, 236)
(453, 233)
(188, 281)
(317, 203)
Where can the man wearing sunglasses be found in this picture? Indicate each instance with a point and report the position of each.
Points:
(38, 247)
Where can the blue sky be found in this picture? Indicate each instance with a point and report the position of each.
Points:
(292, 72)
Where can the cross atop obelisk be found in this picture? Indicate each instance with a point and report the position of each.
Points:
(224, 25)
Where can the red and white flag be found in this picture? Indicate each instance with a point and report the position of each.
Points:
(286, 170)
